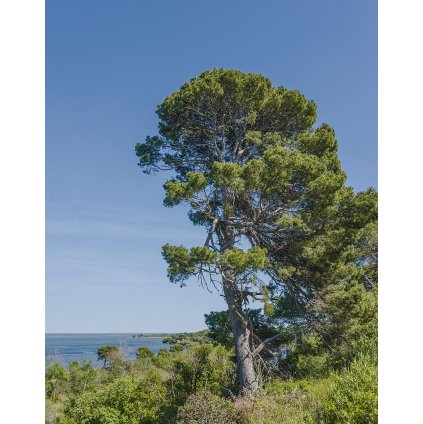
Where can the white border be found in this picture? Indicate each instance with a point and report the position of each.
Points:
(400, 230)
(22, 210)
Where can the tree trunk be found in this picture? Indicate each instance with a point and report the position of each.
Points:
(246, 374)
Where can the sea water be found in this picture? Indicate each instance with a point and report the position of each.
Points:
(66, 348)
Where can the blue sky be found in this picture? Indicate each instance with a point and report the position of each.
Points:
(108, 64)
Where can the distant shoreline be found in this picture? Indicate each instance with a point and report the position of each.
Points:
(133, 335)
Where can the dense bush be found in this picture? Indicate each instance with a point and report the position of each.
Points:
(347, 324)
(348, 396)
(81, 377)
(196, 385)
(53, 410)
(104, 352)
(288, 402)
(144, 352)
(147, 390)
(126, 400)
(207, 408)
(204, 367)
(351, 395)
(56, 381)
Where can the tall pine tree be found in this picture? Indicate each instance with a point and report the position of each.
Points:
(266, 186)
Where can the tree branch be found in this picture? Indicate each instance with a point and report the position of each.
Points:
(263, 344)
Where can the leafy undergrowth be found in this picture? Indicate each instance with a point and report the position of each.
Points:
(196, 386)
(348, 396)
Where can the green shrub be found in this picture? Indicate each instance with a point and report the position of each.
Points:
(107, 415)
(125, 401)
(312, 366)
(203, 367)
(348, 325)
(56, 381)
(104, 352)
(52, 411)
(282, 401)
(81, 377)
(272, 411)
(190, 387)
(352, 395)
(207, 408)
(144, 352)
(348, 396)
(117, 366)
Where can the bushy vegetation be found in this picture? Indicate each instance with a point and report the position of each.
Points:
(204, 407)
(346, 396)
(198, 385)
(147, 390)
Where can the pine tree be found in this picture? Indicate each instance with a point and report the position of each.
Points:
(267, 187)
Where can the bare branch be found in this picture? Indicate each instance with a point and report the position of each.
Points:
(263, 344)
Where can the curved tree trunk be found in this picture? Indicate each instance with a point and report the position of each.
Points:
(246, 374)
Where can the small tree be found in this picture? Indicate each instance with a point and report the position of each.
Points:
(81, 376)
(104, 353)
(144, 352)
(56, 380)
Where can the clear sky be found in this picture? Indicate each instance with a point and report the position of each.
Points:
(108, 64)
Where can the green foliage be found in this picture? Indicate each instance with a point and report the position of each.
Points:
(117, 366)
(201, 367)
(144, 352)
(226, 174)
(126, 400)
(348, 396)
(193, 385)
(183, 262)
(207, 408)
(241, 261)
(163, 359)
(292, 408)
(53, 410)
(367, 260)
(352, 395)
(56, 381)
(245, 103)
(176, 192)
(81, 377)
(346, 328)
(286, 401)
(185, 340)
(104, 353)
(150, 396)
(220, 329)
(219, 325)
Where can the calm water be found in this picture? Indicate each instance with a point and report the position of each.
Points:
(76, 347)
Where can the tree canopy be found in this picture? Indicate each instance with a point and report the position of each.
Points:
(104, 353)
